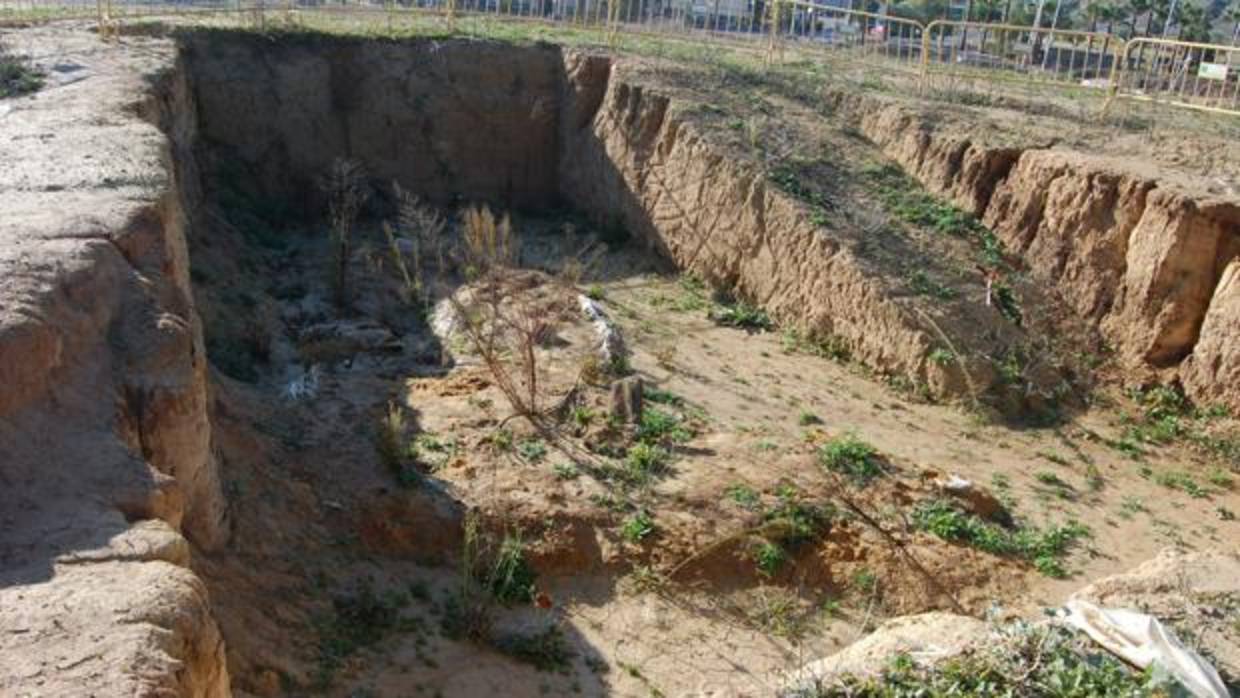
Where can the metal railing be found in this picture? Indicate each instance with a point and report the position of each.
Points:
(1178, 73)
(1004, 51)
(1181, 73)
(896, 42)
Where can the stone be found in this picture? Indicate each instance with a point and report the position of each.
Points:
(626, 399)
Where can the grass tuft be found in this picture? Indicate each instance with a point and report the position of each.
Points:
(849, 455)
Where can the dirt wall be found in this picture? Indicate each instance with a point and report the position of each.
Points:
(107, 462)
(625, 157)
(1138, 251)
(452, 120)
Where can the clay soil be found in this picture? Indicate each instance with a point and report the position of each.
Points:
(321, 523)
(343, 575)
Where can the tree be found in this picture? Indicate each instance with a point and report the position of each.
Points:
(1233, 15)
(1134, 9)
(1194, 25)
(1094, 12)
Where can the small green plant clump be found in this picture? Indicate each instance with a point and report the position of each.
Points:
(849, 455)
(923, 285)
(18, 76)
(545, 650)
(824, 346)
(662, 397)
(742, 316)
(906, 200)
(1183, 482)
(692, 298)
(808, 419)
(769, 557)
(357, 620)
(1023, 661)
(566, 471)
(788, 177)
(532, 450)
(391, 447)
(1166, 416)
(644, 460)
(657, 426)
(744, 495)
(493, 571)
(637, 527)
(786, 526)
(1045, 547)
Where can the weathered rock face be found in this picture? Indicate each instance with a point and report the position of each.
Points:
(104, 433)
(1136, 253)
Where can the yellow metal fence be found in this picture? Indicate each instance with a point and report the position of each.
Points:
(1178, 73)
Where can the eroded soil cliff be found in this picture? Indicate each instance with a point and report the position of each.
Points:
(104, 429)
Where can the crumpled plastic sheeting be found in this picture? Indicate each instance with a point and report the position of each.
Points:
(304, 386)
(609, 342)
(1142, 640)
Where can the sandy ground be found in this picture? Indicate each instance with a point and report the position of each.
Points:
(320, 515)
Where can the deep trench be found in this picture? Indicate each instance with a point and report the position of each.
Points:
(255, 125)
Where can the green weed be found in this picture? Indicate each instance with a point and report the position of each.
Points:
(545, 650)
(769, 557)
(532, 450)
(1021, 661)
(822, 346)
(742, 316)
(18, 76)
(744, 495)
(849, 455)
(1043, 547)
(807, 419)
(637, 527)
(644, 460)
(566, 471)
(657, 426)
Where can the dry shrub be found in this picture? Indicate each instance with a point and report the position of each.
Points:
(503, 319)
(423, 225)
(489, 242)
(346, 191)
(505, 326)
(411, 289)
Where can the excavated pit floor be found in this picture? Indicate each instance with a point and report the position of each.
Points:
(341, 578)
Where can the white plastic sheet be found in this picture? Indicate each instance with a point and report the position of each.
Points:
(1142, 640)
(610, 343)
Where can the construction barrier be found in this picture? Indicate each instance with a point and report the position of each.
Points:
(1178, 73)
(1181, 73)
(1004, 51)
